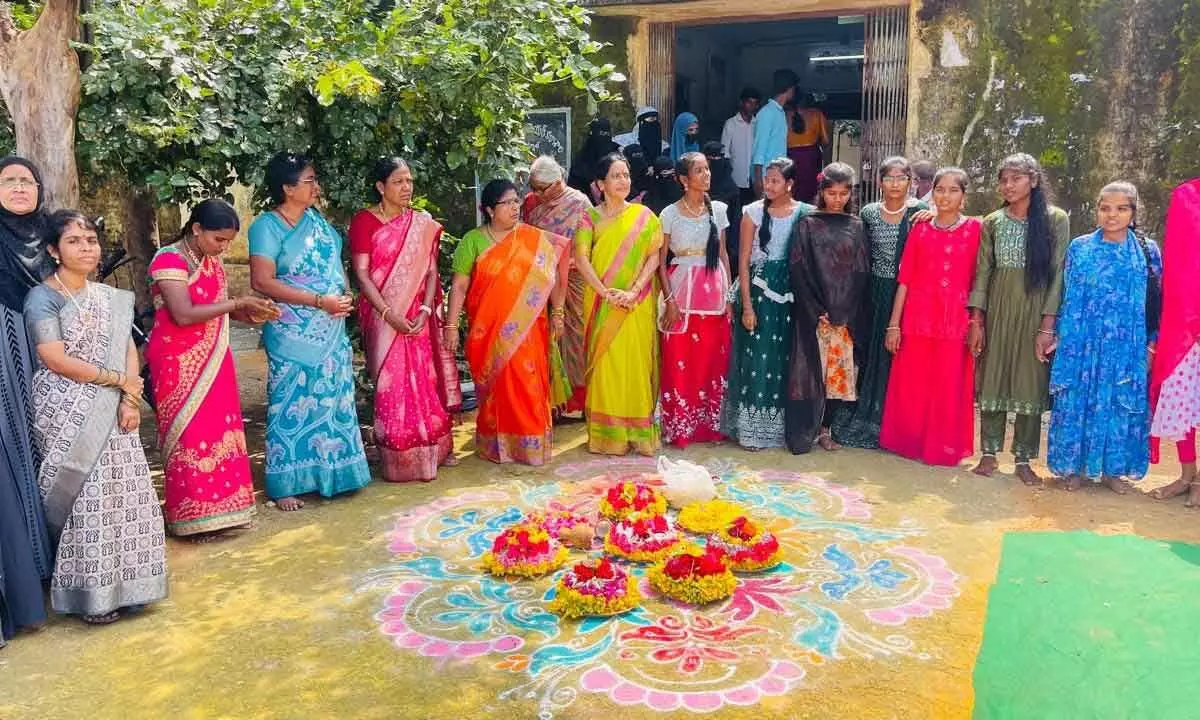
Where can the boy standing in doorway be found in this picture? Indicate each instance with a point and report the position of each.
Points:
(770, 125)
(738, 139)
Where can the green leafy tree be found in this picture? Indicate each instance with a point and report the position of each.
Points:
(182, 96)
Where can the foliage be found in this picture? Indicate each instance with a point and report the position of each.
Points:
(186, 95)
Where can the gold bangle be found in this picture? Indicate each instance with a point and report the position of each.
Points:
(891, 328)
(385, 314)
(317, 297)
(450, 326)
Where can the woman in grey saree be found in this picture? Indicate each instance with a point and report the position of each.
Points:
(101, 508)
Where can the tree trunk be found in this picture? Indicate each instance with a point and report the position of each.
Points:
(39, 82)
(140, 240)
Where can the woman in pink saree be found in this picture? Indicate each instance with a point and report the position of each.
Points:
(395, 249)
(207, 482)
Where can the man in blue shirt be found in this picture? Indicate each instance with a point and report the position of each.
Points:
(770, 126)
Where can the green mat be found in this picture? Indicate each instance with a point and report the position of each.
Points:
(1084, 626)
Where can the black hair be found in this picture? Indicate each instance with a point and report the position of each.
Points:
(211, 214)
(895, 162)
(923, 169)
(59, 220)
(1127, 189)
(490, 196)
(382, 170)
(750, 93)
(712, 251)
(284, 169)
(957, 173)
(604, 164)
(836, 173)
(787, 169)
(783, 80)
(1039, 230)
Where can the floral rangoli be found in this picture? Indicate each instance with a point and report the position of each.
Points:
(846, 589)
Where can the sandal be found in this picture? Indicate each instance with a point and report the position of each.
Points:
(106, 619)
(825, 440)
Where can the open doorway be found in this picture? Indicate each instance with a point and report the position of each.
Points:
(854, 66)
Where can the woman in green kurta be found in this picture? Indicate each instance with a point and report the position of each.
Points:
(888, 222)
(1014, 302)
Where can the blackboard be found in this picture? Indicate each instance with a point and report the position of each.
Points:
(548, 132)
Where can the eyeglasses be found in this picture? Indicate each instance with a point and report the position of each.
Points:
(510, 201)
(14, 183)
(895, 179)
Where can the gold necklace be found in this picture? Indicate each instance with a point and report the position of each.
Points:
(692, 210)
(196, 257)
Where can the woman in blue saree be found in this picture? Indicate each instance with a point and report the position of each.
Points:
(313, 439)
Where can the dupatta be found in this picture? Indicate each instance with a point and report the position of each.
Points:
(1179, 329)
(510, 287)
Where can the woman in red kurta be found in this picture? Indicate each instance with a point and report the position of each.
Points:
(929, 410)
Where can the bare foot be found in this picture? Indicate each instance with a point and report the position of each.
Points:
(289, 504)
(1027, 475)
(825, 440)
(1073, 483)
(450, 461)
(1175, 489)
(987, 466)
(105, 619)
(1193, 496)
(1119, 485)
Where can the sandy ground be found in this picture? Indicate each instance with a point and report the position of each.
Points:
(278, 621)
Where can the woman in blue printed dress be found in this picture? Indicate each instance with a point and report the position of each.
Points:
(1107, 325)
(313, 440)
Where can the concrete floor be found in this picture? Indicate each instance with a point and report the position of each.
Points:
(280, 621)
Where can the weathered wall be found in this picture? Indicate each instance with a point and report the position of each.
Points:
(1098, 90)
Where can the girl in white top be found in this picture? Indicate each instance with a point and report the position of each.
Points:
(694, 273)
(763, 301)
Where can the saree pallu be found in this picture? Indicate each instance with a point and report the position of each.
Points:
(508, 346)
(207, 478)
(562, 216)
(754, 401)
(412, 388)
(313, 440)
(695, 353)
(622, 367)
(100, 503)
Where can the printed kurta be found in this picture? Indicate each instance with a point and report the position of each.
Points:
(1101, 420)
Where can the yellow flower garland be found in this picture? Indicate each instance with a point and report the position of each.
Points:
(725, 540)
(526, 570)
(571, 603)
(695, 591)
(709, 516)
(657, 506)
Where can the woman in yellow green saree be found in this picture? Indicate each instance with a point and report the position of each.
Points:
(616, 251)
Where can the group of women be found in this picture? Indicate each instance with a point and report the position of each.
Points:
(879, 328)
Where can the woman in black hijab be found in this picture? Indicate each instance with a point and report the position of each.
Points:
(598, 144)
(25, 553)
(665, 188)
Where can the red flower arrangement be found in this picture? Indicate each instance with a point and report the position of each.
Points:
(524, 550)
(627, 498)
(748, 546)
(696, 576)
(645, 538)
(595, 588)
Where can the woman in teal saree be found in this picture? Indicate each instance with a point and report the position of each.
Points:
(313, 439)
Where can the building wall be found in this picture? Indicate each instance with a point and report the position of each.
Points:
(1096, 89)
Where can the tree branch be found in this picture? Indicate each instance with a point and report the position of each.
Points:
(8, 26)
(58, 17)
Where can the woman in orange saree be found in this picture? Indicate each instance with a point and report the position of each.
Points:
(207, 479)
(617, 252)
(505, 272)
(394, 249)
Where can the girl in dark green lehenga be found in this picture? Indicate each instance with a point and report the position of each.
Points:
(762, 337)
(888, 223)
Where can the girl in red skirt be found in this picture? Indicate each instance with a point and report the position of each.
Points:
(694, 273)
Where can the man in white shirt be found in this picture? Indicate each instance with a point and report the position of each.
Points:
(738, 137)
